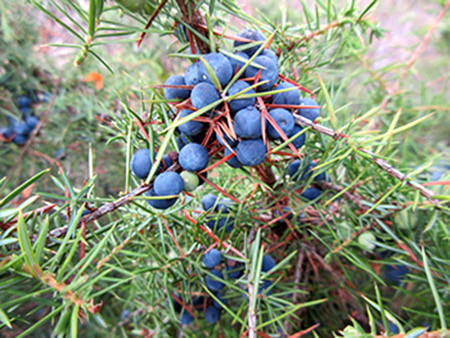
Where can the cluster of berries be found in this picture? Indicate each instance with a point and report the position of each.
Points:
(18, 131)
(244, 139)
(214, 280)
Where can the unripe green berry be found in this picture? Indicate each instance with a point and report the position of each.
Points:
(190, 179)
(367, 240)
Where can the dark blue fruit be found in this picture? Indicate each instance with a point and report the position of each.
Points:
(221, 297)
(231, 143)
(166, 160)
(203, 95)
(249, 35)
(299, 141)
(212, 314)
(293, 169)
(212, 283)
(232, 162)
(212, 258)
(266, 288)
(310, 113)
(186, 318)
(238, 104)
(32, 121)
(247, 123)
(141, 163)
(309, 170)
(218, 225)
(25, 111)
(268, 263)
(193, 138)
(311, 193)
(270, 73)
(176, 305)
(236, 65)
(192, 75)
(251, 152)
(290, 97)
(284, 119)
(220, 65)
(7, 132)
(395, 273)
(208, 201)
(286, 212)
(23, 101)
(190, 128)
(20, 140)
(22, 128)
(176, 93)
(160, 203)
(168, 183)
(180, 142)
(193, 157)
(224, 205)
(235, 271)
(271, 54)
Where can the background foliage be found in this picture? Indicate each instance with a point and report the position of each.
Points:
(135, 257)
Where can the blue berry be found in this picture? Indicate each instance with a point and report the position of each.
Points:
(20, 140)
(250, 35)
(25, 111)
(180, 142)
(269, 73)
(166, 160)
(176, 93)
(247, 123)
(235, 271)
(266, 288)
(284, 119)
(299, 141)
(208, 201)
(193, 157)
(212, 258)
(232, 162)
(192, 138)
(309, 170)
(212, 314)
(191, 75)
(251, 152)
(238, 104)
(310, 113)
(395, 273)
(32, 121)
(186, 318)
(231, 143)
(212, 283)
(311, 193)
(168, 183)
(268, 263)
(271, 54)
(22, 128)
(7, 132)
(218, 225)
(286, 211)
(190, 128)
(220, 65)
(23, 101)
(290, 97)
(236, 65)
(160, 203)
(293, 169)
(220, 296)
(141, 163)
(224, 205)
(203, 95)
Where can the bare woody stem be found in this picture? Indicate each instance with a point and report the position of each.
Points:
(193, 17)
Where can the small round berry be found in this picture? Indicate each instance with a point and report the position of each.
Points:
(212, 258)
(168, 183)
(193, 157)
